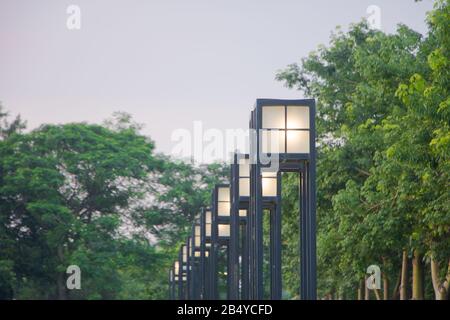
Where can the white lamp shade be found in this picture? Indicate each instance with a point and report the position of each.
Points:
(242, 213)
(244, 177)
(293, 136)
(268, 174)
(197, 236)
(272, 141)
(197, 231)
(184, 253)
(244, 167)
(297, 141)
(223, 208)
(208, 216)
(224, 230)
(269, 187)
(224, 194)
(297, 117)
(198, 254)
(176, 267)
(244, 187)
(273, 117)
(208, 230)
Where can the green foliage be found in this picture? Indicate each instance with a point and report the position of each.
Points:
(180, 191)
(77, 194)
(98, 197)
(383, 148)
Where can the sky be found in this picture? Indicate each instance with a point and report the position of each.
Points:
(166, 62)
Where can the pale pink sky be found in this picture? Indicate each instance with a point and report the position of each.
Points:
(168, 63)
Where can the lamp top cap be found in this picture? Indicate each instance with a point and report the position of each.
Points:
(220, 186)
(284, 102)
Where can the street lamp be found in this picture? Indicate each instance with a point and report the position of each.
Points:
(220, 233)
(181, 270)
(284, 142)
(173, 280)
(205, 246)
(195, 254)
(241, 231)
(239, 248)
(179, 278)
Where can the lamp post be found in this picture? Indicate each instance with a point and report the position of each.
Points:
(220, 233)
(242, 226)
(178, 279)
(239, 244)
(171, 285)
(205, 247)
(190, 270)
(284, 142)
(182, 268)
(196, 265)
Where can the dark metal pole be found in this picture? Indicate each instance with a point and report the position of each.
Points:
(202, 254)
(250, 236)
(233, 250)
(230, 295)
(254, 159)
(259, 257)
(192, 270)
(188, 271)
(180, 275)
(214, 247)
(196, 279)
(275, 242)
(303, 235)
(245, 260)
(207, 275)
(312, 263)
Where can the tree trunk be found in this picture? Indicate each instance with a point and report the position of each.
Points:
(404, 277)
(361, 289)
(377, 294)
(417, 276)
(62, 293)
(385, 287)
(396, 291)
(341, 294)
(440, 288)
(366, 290)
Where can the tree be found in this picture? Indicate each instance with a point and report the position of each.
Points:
(7, 276)
(181, 189)
(63, 192)
(422, 149)
(377, 146)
